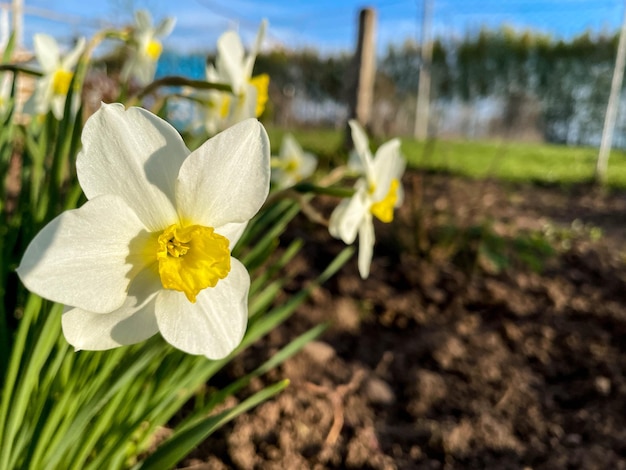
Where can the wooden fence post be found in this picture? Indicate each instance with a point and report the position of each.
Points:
(422, 109)
(361, 82)
(612, 106)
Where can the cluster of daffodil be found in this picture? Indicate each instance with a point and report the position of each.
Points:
(245, 96)
(148, 265)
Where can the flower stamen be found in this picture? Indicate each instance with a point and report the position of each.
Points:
(192, 258)
(176, 248)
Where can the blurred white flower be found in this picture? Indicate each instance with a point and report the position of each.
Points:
(377, 193)
(58, 71)
(150, 250)
(293, 164)
(6, 83)
(234, 68)
(146, 47)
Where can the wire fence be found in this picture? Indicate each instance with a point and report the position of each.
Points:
(526, 69)
(521, 69)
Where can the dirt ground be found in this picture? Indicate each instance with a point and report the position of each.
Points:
(491, 334)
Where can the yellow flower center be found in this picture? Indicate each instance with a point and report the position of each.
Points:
(192, 258)
(61, 81)
(225, 106)
(292, 165)
(383, 209)
(261, 83)
(154, 49)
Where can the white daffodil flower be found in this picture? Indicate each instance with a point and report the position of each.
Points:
(234, 68)
(293, 164)
(377, 193)
(150, 250)
(147, 47)
(58, 71)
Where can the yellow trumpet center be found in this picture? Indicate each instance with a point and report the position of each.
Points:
(61, 81)
(154, 49)
(292, 166)
(225, 106)
(383, 209)
(192, 258)
(261, 83)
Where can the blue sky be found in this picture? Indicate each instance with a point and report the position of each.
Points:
(326, 25)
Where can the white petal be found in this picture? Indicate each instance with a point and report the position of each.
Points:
(250, 59)
(294, 164)
(227, 179)
(211, 73)
(366, 246)
(57, 104)
(290, 148)
(143, 20)
(307, 165)
(132, 323)
(243, 106)
(165, 27)
(215, 324)
(144, 69)
(47, 52)
(230, 56)
(136, 155)
(388, 165)
(43, 94)
(400, 196)
(83, 257)
(361, 145)
(348, 216)
(232, 231)
(71, 59)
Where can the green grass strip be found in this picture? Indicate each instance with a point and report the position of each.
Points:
(176, 448)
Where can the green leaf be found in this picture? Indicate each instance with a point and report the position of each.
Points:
(336, 191)
(274, 361)
(262, 278)
(182, 81)
(8, 416)
(9, 48)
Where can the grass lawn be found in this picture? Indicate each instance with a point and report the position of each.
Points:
(515, 161)
(512, 161)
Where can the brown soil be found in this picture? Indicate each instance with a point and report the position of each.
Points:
(473, 344)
